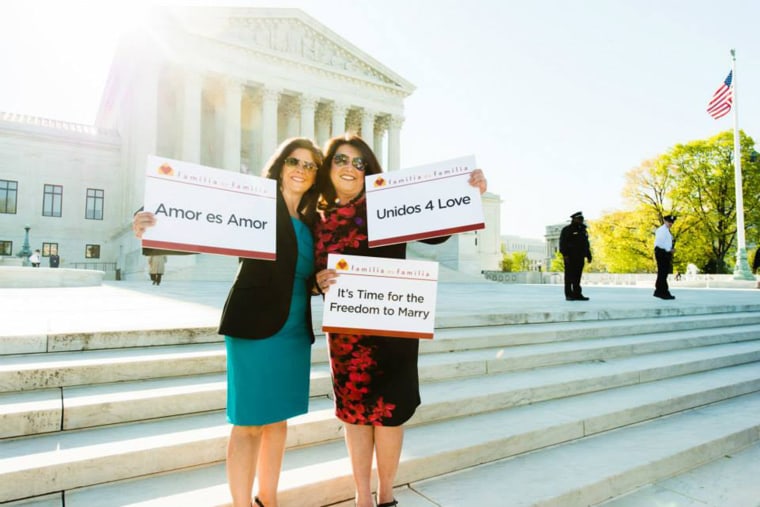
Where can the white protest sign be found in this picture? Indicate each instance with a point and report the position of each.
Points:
(422, 202)
(379, 296)
(207, 210)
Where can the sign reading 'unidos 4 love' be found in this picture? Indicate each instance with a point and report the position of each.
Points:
(379, 296)
(422, 202)
(207, 210)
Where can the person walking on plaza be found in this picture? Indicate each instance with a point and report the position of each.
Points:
(756, 264)
(268, 331)
(35, 259)
(156, 265)
(663, 254)
(375, 378)
(574, 247)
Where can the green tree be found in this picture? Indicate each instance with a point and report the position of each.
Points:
(694, 181)
(705, 193)
(514, 261)
(520, 261)
(622, 242)
(558, 263)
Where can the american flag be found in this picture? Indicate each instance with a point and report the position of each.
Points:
(720, 103)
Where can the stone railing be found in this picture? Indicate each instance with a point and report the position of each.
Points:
(65, 126)
(625, 279)
(28, 277)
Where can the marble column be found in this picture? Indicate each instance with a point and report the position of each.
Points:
(191, 118)
(232, 97)
(323, 120)
(292, 108)
(394, 142)
(338, 119)
(143, 129)
(368, 128)
(254, 137)
(308, 117)
(269, 100)
(381, 125)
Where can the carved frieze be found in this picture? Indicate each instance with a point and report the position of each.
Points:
(293, 38)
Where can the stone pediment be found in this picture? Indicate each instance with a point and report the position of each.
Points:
(289, 34)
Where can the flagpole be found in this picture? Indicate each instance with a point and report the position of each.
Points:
(741, 270)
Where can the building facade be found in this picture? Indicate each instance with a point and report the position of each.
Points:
(534, 248)
(217, 86)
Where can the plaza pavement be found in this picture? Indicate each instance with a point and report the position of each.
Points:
(120, 305)
(136, 304)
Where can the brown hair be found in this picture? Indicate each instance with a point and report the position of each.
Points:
(273, 170)
(324, 183)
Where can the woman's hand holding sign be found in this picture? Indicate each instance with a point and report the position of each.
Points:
(141, 221)
(325, 278)
(478, 179)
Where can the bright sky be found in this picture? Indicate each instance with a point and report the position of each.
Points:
(556, 99)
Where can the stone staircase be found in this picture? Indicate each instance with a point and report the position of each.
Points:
(599, 403)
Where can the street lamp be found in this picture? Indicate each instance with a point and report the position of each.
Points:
(25, 251)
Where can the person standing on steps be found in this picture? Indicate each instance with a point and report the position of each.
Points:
(156, 265)
(663, 254)
(268, 331)
(375, 378)
(574, 247)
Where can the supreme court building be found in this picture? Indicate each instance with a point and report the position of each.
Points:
(217, 86)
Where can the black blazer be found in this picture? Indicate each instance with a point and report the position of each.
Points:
(258, 303)
(259, 300)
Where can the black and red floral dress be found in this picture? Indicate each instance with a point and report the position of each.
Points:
(374, 377)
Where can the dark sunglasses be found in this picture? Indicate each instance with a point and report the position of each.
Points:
(341, 159)
(294, 162)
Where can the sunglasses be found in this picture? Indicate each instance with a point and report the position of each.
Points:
(342, 159)
(307, 166)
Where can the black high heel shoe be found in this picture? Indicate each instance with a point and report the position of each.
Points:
(258, 502)
(394, 503)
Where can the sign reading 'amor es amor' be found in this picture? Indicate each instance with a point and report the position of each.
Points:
(207, 210)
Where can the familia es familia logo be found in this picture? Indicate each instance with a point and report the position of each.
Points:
(379, 182)
(420, 273)
(165, 169)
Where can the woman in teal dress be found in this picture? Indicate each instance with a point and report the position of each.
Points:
(268, 331)
(283, 358)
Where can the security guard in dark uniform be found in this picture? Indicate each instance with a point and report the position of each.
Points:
(574, 247)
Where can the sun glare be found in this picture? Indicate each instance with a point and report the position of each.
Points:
(68, 44)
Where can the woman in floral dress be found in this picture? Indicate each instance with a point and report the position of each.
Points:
(375, 378)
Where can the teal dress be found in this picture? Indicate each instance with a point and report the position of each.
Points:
(268, 379)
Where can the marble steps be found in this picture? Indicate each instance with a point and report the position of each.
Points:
(593, 470)
(649, 431)
(489, 336)
(579, 313)
(26, 372)
(96, 340)
(65, 460)
(188, 387)
(482, 331)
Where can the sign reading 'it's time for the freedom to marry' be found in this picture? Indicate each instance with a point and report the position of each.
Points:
(422, 202)
(379, 296)
(207, 210)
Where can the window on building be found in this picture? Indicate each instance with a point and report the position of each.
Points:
(49, 249)
(94, 204)
(92, 252)
(8, 196)
(52, 201)
(6, 247)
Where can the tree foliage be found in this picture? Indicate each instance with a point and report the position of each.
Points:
(514, 261)
(694, 181)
